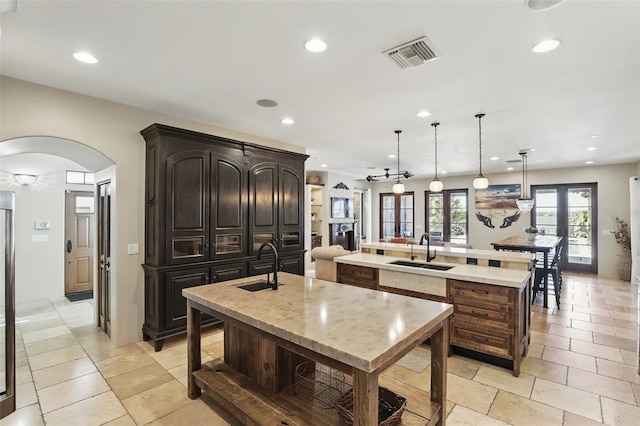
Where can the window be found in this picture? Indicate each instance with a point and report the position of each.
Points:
(447, 215)
(82, 178)
(396, 215)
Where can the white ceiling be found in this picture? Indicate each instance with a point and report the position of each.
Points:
(211, 61)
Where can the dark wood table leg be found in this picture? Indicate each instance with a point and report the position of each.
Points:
(439, 341)
(194, 361)
(365, 398)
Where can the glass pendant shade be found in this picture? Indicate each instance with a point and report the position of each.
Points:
(398, 187)
(525, 203)
(436, 185)
(480, 182)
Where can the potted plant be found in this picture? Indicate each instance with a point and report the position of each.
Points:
(623, 238)
(531, 232)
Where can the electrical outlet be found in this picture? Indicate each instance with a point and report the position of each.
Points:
(133, 248)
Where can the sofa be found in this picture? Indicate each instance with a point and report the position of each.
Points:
(326, 268)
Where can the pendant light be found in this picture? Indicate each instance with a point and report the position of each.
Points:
(525, 203)
(398, 187)
(480, 182)
(436, 184)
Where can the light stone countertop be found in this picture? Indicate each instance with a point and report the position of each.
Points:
(358, 327)
(452, 251)
(480, 274)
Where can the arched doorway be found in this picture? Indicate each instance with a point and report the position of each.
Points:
(40, 223)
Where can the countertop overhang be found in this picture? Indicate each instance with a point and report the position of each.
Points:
(480, 274)
(358, 327)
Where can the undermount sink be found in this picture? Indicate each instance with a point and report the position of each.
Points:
(421, 265)
(255, 286)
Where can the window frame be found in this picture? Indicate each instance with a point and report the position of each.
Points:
(446, 212)
(397, 209)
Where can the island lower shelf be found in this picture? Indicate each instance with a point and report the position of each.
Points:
(250, 401)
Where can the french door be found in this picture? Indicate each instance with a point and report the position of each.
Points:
(396, 215)
(570, 211)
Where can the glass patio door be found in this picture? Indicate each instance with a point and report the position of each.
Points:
(7, 306)
(569, 211)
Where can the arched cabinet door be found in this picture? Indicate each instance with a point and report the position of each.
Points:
(291, 208)
(187, 206)
(229, 207)
(263, 205)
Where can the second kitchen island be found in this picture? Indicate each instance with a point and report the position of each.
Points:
(267, 333)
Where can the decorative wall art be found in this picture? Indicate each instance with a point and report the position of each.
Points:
(498, 197)
(504, 215)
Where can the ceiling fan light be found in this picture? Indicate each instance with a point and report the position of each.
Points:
(436, 185)
(480, 182)
(525, 204)
(398, 187)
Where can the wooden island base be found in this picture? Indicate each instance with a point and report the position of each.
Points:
(251, 404)
(267, 334)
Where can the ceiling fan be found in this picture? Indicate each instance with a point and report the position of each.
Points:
(406, 174)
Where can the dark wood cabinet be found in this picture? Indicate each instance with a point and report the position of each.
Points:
(210, 203)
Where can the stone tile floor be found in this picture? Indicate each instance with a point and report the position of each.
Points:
(581, 369)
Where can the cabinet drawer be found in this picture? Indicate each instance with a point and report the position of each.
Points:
(481, 339)
(481, 293)
(497, 315)
(360, 276)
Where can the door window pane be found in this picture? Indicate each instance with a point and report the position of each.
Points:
(447, 216)
(84, 205)
(579, 226)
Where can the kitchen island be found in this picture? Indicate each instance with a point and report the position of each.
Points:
(267, 333)
(492, 305)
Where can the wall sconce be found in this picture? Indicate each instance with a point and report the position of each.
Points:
(24, 179)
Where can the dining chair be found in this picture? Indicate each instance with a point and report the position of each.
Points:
(554, 271)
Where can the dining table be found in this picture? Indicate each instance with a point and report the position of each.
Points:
(538, 244)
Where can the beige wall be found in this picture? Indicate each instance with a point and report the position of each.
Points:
(613, 198)
(114, 130)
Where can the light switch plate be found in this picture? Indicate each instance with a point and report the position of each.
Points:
(133, 248)
(42, 224)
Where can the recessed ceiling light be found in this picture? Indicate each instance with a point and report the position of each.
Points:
(315, 45)
(287, 120)
(546, 46)
(85, 57)
(323, 165)
(540, 5)
(588, 162)
(392, 156)
(509, 168)
(444, 172)
(593, 136)
(592, 148)
(267, 103)
(495, 158)
(423, 114)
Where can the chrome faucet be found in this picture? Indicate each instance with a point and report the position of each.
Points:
(422, 238)
(274, 283)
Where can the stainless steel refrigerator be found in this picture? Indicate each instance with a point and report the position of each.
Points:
(7, 305)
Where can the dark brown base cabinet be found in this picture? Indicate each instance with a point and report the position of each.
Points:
(210, 203)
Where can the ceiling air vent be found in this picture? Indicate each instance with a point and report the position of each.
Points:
(412, 54)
